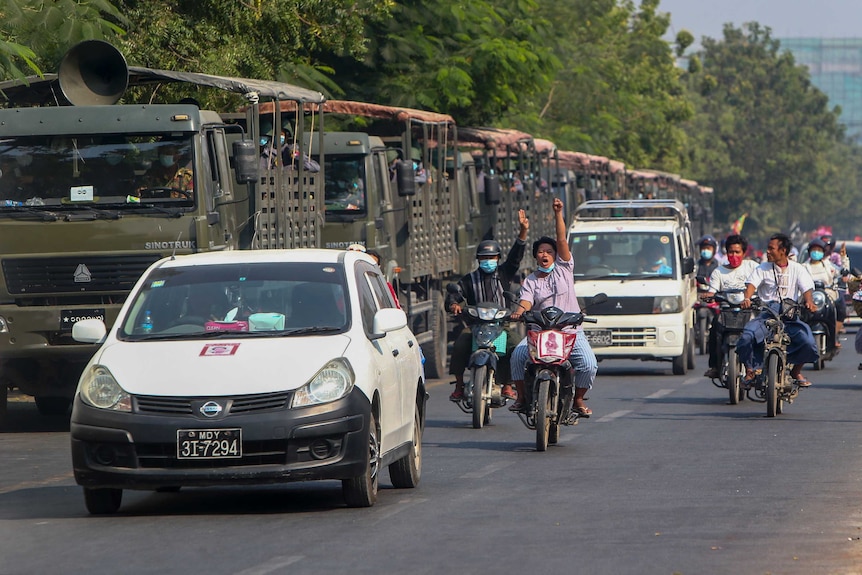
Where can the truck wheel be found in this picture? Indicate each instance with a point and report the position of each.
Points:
(435, 353)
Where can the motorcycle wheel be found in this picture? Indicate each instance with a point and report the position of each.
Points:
(733, 386)
(821, 351)
(544, 412)
(480, 398)
(703, 340)
(774, 377)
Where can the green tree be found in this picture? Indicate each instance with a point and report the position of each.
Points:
(765, 137)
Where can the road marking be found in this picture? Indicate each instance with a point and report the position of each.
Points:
(403, 505)
(42, 483)
(659, 393)
(273, 564)
(614, 415)
(692, 380)
(487, 470)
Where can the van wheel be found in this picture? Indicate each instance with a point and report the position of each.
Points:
(680, 362)
(103, 501)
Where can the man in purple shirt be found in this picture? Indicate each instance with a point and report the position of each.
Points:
(553, 284)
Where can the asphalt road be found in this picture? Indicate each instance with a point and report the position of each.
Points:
(666, 477)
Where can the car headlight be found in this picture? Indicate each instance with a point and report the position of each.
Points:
(667, 304)
(332, 382)
(99, 389)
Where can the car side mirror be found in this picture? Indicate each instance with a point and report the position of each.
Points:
(405, 179)
(246, 162)
(89, 331)
(388, 319)
(492, 189)
(687, 266)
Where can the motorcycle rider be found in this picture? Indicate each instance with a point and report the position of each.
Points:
(729, 276)
(774, 280)
(487, 283)
(707, 262)
(823, 271)
(553, 284)
(841, 263)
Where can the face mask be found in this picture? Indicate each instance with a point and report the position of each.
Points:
(594, 260)
(415, 167)
(548, 269)
(113, 159)
(488, 266)
(817, 255)
(657, 263)
(706, 254)
(281, 139)
(167, 161)
(264, 141)
(734, 260)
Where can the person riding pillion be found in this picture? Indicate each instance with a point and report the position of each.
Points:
(777, 279)
(487, 283)
(707, 263)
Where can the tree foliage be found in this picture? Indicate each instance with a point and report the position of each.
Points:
(765, 137)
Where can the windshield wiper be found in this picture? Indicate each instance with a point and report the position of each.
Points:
(43, 215)
(90, 213)
(305, 330)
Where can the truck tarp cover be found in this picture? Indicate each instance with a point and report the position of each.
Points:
(43, 91)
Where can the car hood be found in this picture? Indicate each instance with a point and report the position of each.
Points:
(219, 367)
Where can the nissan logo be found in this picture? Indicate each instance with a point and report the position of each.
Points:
(211, 409)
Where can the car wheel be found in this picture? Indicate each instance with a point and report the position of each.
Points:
(406, 472)
(103, 501)
(361, 491)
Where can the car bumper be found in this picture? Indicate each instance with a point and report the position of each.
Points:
(657, 336)
(139, 451)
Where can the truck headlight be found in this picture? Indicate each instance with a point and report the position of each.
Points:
(99, 389)
(332, 382)
(667, 304)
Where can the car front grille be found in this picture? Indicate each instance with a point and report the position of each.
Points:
(240, 404)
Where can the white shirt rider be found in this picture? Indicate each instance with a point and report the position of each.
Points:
(724, 278)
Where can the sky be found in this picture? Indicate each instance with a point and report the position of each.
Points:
(787, 18)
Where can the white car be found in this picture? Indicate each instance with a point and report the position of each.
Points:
(250, 367)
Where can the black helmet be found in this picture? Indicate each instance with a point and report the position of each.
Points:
(707, 240)
(488, 248)
(817, 243)
(828, 241)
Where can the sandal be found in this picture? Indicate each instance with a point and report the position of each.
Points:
(584, 411)
(518, 406)
(802, 381)
(456, 395)
(508, 392)
(712, 373)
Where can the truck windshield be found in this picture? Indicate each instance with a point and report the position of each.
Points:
(237, 300)
(123, 170)
(622, 254)
(345, 184)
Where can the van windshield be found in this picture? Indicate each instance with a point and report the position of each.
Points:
(622, 255)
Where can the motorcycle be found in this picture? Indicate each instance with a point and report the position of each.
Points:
(549, 375)
(822, 323)
(704, 311)
(774, 385)
(487, 322)
(732, 319)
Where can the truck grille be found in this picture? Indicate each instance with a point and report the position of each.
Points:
(76, 274)
(632, 336)
(638, 305)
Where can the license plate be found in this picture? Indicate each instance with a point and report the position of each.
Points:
(599, 337)
(69, 317)
(209, 443)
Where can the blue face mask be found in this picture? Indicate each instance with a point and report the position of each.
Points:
(548, 269)
(816, 255)
(706, 254)
(488, 266)
(166, 161)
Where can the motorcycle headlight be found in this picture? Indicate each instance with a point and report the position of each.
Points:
(487, 313)
(99, 389)
(667, 304)
(331, 383)
(819, 299)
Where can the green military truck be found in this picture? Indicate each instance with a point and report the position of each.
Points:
(91, 193)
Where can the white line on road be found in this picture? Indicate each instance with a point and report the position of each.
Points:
(487, 470)
(403, 505)
(692, 380)
(659, 393)
(613, 416)
(273, 564)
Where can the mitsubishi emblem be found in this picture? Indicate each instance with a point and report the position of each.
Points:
(619, 305)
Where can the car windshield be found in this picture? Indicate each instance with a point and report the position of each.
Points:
(238, 300)
(81, 171)
(623, 255)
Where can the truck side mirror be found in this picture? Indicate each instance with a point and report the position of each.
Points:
(687, 266)
(246, 162)
(492, 189)
(405, 178)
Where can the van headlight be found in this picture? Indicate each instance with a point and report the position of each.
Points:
(99, 389)
(331, 383)
(667, 304)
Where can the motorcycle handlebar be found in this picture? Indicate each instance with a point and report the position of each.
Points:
(590, 320)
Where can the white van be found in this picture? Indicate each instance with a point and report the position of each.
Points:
(640, 253)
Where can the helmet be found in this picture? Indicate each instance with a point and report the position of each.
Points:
(816, 243)
(707, 240)
(488, 248)
(828, 241)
